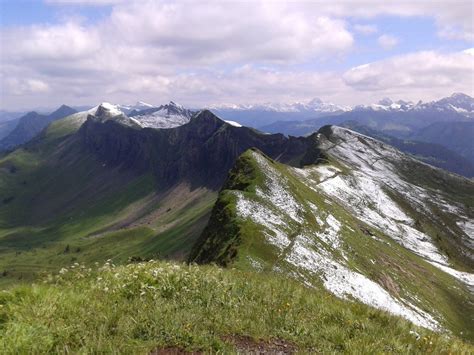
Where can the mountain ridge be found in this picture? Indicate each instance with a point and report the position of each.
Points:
(30, 125)
(316, 224)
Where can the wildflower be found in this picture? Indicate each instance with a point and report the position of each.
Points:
(417, 336)
(63, 271)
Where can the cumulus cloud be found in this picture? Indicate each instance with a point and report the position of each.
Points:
(22, 86)
(365, 29)
(428, 71)
(387, 41)
(214, 51)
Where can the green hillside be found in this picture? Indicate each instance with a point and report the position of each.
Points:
(252, 227)
(59, 205)
(174, 307)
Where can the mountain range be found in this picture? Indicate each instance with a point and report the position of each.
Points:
(447, 122)
(29, 125)
(336, 209)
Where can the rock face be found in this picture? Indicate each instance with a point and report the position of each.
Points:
(366, 221)
(200, 152)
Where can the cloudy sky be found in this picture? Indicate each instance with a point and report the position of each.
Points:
(198, 53)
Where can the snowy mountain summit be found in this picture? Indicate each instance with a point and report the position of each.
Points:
(165, 116)
(457, 103)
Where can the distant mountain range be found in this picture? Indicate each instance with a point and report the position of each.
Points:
(30, 125)
(448, 122)
(439, 132)
(262, 114)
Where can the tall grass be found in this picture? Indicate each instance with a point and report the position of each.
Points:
(141, 307)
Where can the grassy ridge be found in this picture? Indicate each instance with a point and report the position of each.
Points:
(242, 243)
(140, 307)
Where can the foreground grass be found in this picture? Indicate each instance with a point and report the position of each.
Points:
(141, 307)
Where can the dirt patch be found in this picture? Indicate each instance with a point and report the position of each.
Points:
(247, 345)
(387, 283)
(172, 350)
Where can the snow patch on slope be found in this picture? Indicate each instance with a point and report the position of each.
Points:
(364, 192)
(305, 250)
(343, 282)
(233, 123)
(264, 217)
(276, 191)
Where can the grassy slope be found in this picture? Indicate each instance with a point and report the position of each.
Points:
(140, 307)
(58, 207)
(246, 246)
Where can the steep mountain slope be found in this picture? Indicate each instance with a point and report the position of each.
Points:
(6, 127)
(95, 185)
(457, 136)
(366, 222)
(30, 125)
(430, 153)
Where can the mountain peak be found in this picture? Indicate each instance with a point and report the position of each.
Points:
(460, 95)
(62, 111)
(315, 101)
(174, 104)
(386, 101)
(107, 110)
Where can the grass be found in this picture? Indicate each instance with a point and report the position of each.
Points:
(241, 243)
(59, 206)
(141, 307)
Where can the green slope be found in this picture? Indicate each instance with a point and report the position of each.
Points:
(251, 240)
(173, 307)
(59, 204)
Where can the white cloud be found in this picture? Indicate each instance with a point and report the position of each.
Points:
(422, 73)
(365, 29)
(159, 50)
(387, 41)
(25, 86)
(85, 2)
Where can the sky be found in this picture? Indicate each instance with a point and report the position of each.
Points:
(200, 53)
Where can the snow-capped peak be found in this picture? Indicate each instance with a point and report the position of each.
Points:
(385, 101)
(108, 110)
(165, 116)
(315, 102)
(138, 106)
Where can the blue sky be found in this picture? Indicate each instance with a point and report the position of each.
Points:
(85, 51)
